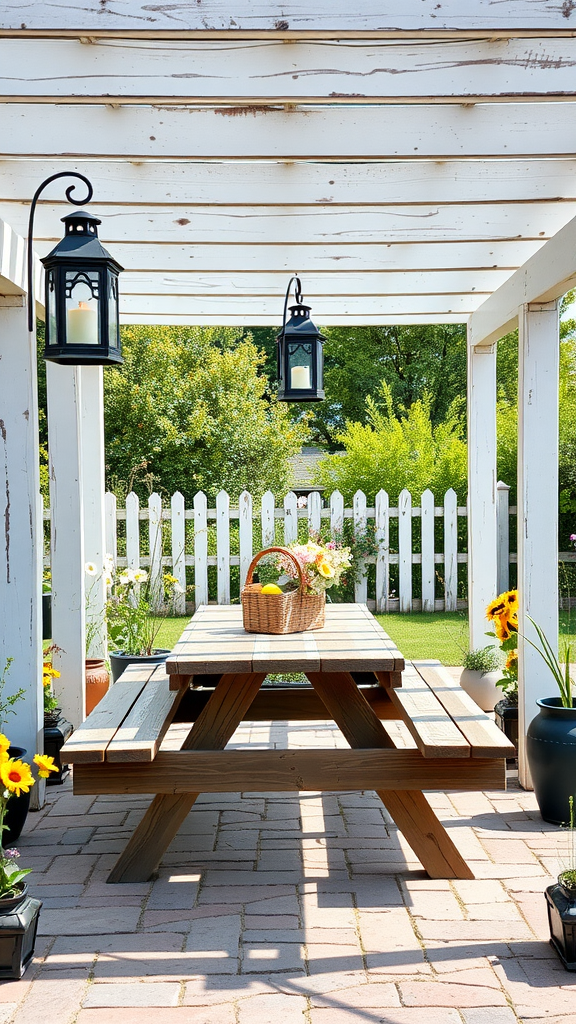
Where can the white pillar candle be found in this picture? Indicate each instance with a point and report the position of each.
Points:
(82, 325)
(300, 377)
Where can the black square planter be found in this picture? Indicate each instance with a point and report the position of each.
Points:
(562, 921)
(18, 930)
(56, 732)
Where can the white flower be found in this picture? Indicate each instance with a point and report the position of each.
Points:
(125, 577)
(140, 576)
(90, 569)
(108, 563)
(108, 579)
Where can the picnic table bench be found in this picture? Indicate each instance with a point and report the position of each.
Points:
(213, 680)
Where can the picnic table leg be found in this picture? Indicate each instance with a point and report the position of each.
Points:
(408, 808)
(212, 730)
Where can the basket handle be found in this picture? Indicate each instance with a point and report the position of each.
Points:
(282, 551)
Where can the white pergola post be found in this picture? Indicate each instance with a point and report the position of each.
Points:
(20, 528)
(482, 534)
(538, 370)
(92, 447)
(64, 391)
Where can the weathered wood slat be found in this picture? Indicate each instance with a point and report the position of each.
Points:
(286, 703)
(483, 735)
(90, 740)
(178, 524)
(428, 567)
(430, 725)
(141, 733)
(182, 772)
(283, 19)
(405, 550)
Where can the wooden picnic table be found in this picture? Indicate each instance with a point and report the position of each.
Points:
(213, 679)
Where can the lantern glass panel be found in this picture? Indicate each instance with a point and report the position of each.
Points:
(82, 307)
(51, 325)
(113, 338)
(300, 366)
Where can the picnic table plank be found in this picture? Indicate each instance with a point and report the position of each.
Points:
(141, 733)
(483, 735)
(88, 743)
(431, 726)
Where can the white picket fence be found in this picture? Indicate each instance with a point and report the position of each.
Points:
(266, 517)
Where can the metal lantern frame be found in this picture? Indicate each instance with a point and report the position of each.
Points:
(299, 334)
(79, 258)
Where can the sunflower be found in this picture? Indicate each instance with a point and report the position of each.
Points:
(512, 661)
(505, 624)
(45, 765)
(4, 744)
(504, 604)
(16, 776)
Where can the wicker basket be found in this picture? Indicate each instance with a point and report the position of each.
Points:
(292, 612)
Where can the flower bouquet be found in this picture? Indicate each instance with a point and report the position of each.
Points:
(15, 778)
(296, 602)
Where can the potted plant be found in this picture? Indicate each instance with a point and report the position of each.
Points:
(503, 612)
(551, 735)
(18, 911)
(134, 619)
(480, 675)
(56, 728)
(561, 903)
(17, 811)
(97, 675)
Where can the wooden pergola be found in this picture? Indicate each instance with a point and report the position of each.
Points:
(415, 162)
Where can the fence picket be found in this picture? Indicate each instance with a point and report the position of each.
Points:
(179, 550)
(223, 547)
(314, 512)
(245, 504)
(290, 518)
(360, 522)
(268, 523)
(405, 550)
(427, 535)
(336, 513)
(382, 538)
(132, 531)
(200, 549)
(503, 535)
(110, 529)
(450, 550)
(155, 542)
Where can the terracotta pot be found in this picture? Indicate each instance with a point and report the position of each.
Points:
(97, 682)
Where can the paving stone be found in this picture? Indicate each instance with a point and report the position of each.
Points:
(79, 922)
(261, 921)
(272, 1008)
(489, 1015)
(81, 950)
(331, 958)
(271, 956)
(14, 991)
(143, 994)
(444, 993)
(149, 1015)
(273, 935)
(375, 995)
(7, 1011)
(473, 931)
(71, 868)
(53, 998)
(399, 1015)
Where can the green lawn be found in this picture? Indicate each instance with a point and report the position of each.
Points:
(442, 635)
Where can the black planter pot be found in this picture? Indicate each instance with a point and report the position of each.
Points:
(119, 661)
(46, 616)
(551, 749)
(562, 920)
(56, 732)
(18, 927)
(16, 809)
(506, 717)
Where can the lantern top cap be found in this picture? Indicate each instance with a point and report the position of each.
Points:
(81, 219)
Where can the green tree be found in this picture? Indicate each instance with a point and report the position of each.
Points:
(393, 452)
(188, 411)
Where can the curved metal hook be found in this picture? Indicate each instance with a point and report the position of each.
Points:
(29, 253)
(297, 295)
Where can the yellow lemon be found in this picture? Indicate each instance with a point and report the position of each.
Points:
(271, 588)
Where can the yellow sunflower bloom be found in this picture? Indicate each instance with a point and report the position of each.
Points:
(16, 776)
(512, 660)
(4, 744)
(504, 604)
(45, 765)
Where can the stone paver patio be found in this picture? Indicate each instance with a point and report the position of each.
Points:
(298, 909)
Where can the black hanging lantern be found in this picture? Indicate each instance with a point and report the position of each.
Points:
(82, 325)
(300, 353)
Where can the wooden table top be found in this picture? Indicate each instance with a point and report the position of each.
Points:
(351, 641)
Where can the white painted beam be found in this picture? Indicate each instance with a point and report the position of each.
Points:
(142, 257)
(64, 393)
(324, 16)
(538, 370)
(184, 183)
(366, 225)
(93, 491)
(273, 283)
(271, 305)
(328, 133)
(21, 545)
(482, 533)
(13, 274)
(268, 71)
(546, 276)
(255, 320)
